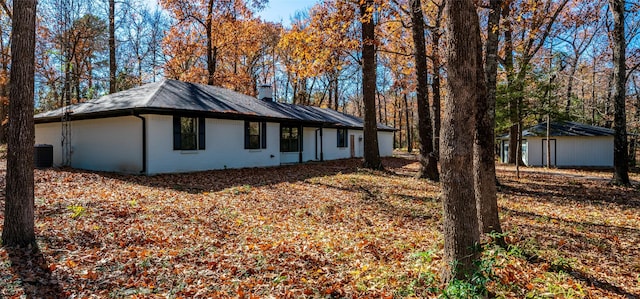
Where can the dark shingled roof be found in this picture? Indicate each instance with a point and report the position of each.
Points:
(564, 128)
(171, 96)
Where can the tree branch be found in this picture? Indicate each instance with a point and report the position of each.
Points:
(6, 9)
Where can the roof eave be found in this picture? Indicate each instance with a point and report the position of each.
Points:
(210, 114)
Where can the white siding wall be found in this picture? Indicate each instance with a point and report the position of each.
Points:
(534, 152)
(51, 133)
(385, 143)
(574, 151)
(332, 151)
(309, 144)
(111, 144)
(289, 157)
(115, 144)
(224, 147)
(358, 137)
(330, 145)
(585, 151)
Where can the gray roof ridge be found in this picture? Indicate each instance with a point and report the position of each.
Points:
(152, 96)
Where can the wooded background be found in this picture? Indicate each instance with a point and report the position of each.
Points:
(554, 56)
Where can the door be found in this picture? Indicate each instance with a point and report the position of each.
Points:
(545, 150)
(352, 145)
(505, 151)
(525, 152)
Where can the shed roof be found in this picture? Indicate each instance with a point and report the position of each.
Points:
(564, 128)
(172, 96)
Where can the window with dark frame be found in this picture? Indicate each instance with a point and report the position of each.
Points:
(255, 135)
(342, 138)
(188, 133)
(289, 139)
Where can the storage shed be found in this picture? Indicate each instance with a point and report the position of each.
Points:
(572, 144)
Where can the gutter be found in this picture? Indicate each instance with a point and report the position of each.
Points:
(144, 143)
(208, 114)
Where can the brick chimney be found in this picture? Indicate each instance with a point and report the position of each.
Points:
(265, 93)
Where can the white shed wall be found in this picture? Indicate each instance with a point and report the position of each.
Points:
(534, 152)
(574, 151)
(224, 147)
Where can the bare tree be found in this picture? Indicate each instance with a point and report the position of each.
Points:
(371, 151)
(112, 47)
(620, 153)
(428, 158)
(484, 169)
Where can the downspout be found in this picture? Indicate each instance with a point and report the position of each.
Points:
(144, 143)
(300, 143)
(321, 147)
(321, 152)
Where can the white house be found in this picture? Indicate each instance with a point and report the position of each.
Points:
(570, 144)
(173, 126)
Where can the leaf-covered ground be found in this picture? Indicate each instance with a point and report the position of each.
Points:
(318, 230)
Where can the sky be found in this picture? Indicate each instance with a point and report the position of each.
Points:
(282, 10)
(275, 11)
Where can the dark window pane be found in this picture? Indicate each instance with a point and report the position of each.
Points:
(254, 128)
(253, 135)
(188, 133)
(289, 139)
(342, 137)
(254, 141)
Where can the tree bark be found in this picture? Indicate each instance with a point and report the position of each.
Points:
(484, 162)
(428, 161)
(465, 82)
(112, 48)
(19, 203)
(211, 50)
(406, 114)
(572, 72)
(620, 152)
(371, 152)
(435, 88)
(436, 34)
(512, 88)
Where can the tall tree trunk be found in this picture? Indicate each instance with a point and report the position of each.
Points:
(396, 111)
(379, 98)
(511, 78)
(435, 84)
(409, 135)
(4, 92)
(465, 85)
(620, 152)
(435, 87)
(335, 94)
(428, 161)
(570, 80)
(636, 119)
(19, 204)
(594, 101)
(484, 162)
(211, 59)
(4, 105)
(371, 151)
(112, 47)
